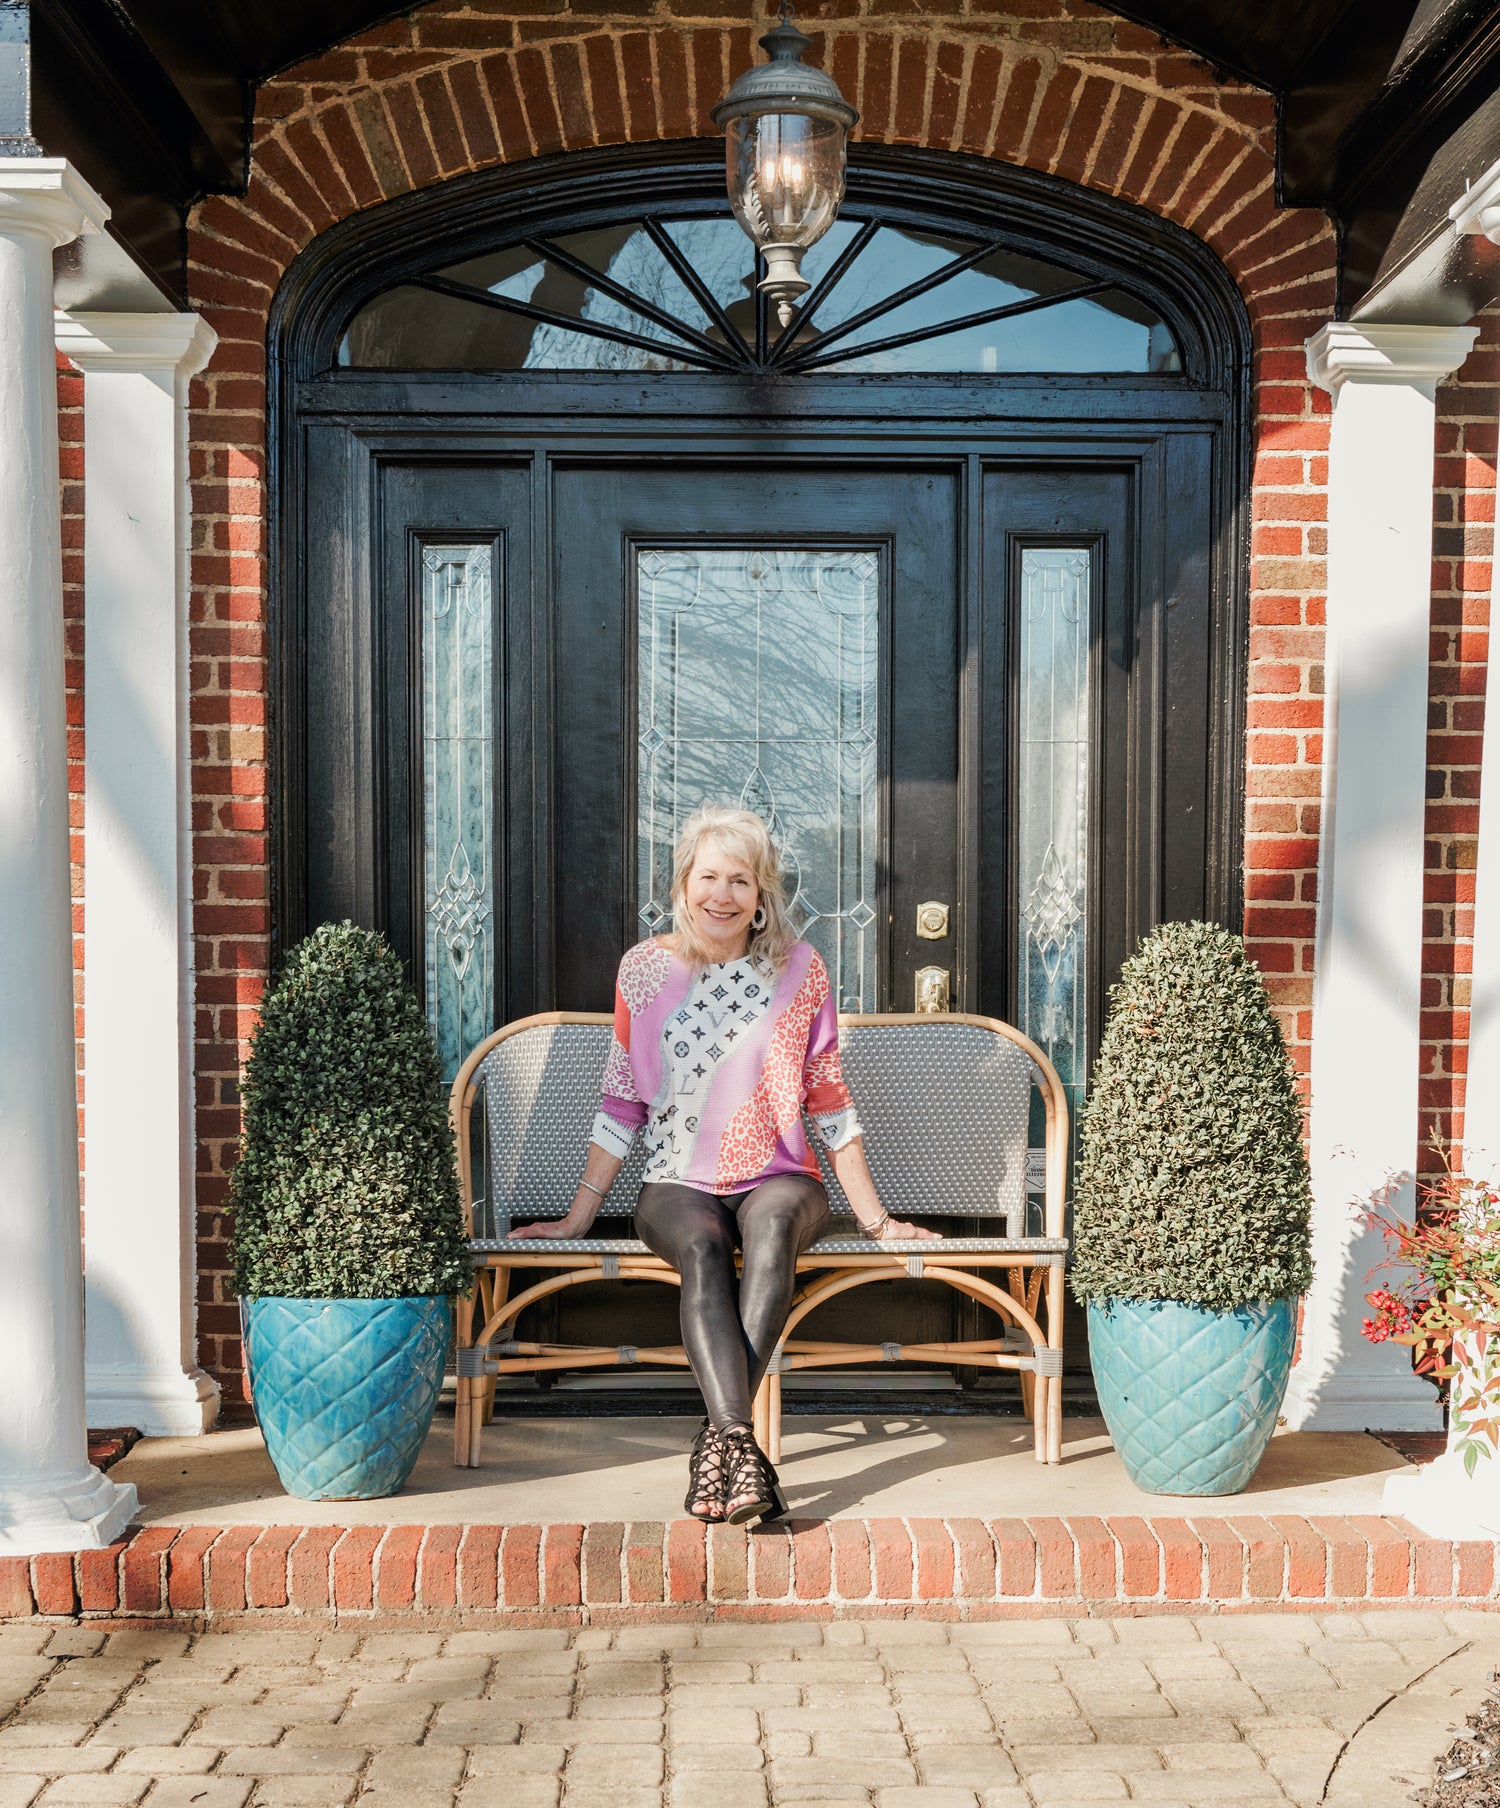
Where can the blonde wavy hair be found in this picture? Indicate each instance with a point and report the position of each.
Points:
(743, 837)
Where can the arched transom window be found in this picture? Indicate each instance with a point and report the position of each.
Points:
(670, 294)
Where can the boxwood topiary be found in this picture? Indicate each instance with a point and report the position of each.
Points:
(345, 1186)
(1192, 1183)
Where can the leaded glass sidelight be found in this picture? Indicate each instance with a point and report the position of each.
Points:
(758, 685)
(1052, 808)
(457, 822)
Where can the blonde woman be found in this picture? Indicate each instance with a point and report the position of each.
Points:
(725, 1033)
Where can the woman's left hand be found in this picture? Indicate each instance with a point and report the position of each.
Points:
(895, 1229)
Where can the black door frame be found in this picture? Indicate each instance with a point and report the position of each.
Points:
(342, 424)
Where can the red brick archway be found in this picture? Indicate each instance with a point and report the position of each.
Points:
(1063, 88)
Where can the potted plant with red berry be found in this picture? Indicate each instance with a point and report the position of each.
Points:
(1443, 1301)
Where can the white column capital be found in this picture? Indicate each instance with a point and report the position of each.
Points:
(1413, 356)
(46, 195)
(1477, 212)
(179, 343)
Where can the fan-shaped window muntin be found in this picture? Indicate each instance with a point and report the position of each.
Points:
(664, 294)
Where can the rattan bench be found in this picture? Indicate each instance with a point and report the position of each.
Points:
(945, 1102)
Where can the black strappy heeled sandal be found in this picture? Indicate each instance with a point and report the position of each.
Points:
(749, 1479)
(705, 1476)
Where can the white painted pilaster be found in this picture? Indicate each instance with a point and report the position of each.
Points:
(140, 1268)
(1368, 962)
(51, 1497)
(1441, 1497)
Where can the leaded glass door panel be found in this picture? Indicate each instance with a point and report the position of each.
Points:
(792, 635)
(734, 636)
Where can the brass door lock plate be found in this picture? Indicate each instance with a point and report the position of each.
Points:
(932, 921)
(934, 994)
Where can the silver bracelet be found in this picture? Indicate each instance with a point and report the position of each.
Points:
(872, 1231)
(599, 1192)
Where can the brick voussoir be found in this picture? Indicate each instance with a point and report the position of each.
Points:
(609, 1574)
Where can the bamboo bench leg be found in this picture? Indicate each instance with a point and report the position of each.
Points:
(476, 1419)
(463, 1332)
(773, 1450)
(499, 1293)
(1055, 1386)
(1030, 1403)
(760, 1415)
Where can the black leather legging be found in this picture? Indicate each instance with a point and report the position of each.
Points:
(730, 1324)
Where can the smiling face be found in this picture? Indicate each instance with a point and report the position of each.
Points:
(721, 897)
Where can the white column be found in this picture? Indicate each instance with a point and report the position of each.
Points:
(51, 1498)
(140, 1268)
(1368, 960)
(1441, 1497)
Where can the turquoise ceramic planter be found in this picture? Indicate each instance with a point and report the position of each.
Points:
(1191, 1396)
(345, 1389)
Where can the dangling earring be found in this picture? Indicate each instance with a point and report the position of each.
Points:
(758, 921)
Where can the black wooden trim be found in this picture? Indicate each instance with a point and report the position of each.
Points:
(638, 304)
(596, 329)
(825, 286)
(922, 286)
(984, 317)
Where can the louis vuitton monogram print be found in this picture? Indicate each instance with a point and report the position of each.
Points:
(716, 1066)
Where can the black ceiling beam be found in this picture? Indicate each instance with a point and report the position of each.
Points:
(1266, 44)
(1387, 150)
(101, 99)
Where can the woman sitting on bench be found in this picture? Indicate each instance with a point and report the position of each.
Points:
(725, 1031)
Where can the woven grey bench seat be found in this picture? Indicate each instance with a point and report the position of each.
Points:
(946, 1104)
(1045, 1249)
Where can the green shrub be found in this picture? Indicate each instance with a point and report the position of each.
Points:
(1192, 1183)
(345, 1186)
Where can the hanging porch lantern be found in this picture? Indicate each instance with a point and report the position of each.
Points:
(785, 128)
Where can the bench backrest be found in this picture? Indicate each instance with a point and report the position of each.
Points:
(945, 1103)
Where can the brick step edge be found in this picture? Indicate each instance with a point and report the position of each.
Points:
(952, 1568)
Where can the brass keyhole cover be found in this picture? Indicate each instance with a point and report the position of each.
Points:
(932, 921)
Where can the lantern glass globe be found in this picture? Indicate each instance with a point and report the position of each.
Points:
(785, 126)
(786, 176)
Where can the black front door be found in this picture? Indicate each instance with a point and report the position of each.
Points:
(950, 686)
(783, 638)
(937, 680)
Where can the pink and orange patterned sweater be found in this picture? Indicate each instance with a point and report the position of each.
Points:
(717, 1065)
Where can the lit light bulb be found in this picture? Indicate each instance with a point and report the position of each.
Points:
(785, 126)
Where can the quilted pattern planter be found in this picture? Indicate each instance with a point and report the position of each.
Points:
(345, 1389)
(1191, 1396)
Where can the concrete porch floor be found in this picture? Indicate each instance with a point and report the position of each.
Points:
(854, 1465)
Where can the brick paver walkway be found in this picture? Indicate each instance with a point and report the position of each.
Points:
(906, 1714)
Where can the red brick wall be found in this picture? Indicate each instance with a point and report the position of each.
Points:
(1463, 528)
(1061, 87)
(70, 462)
